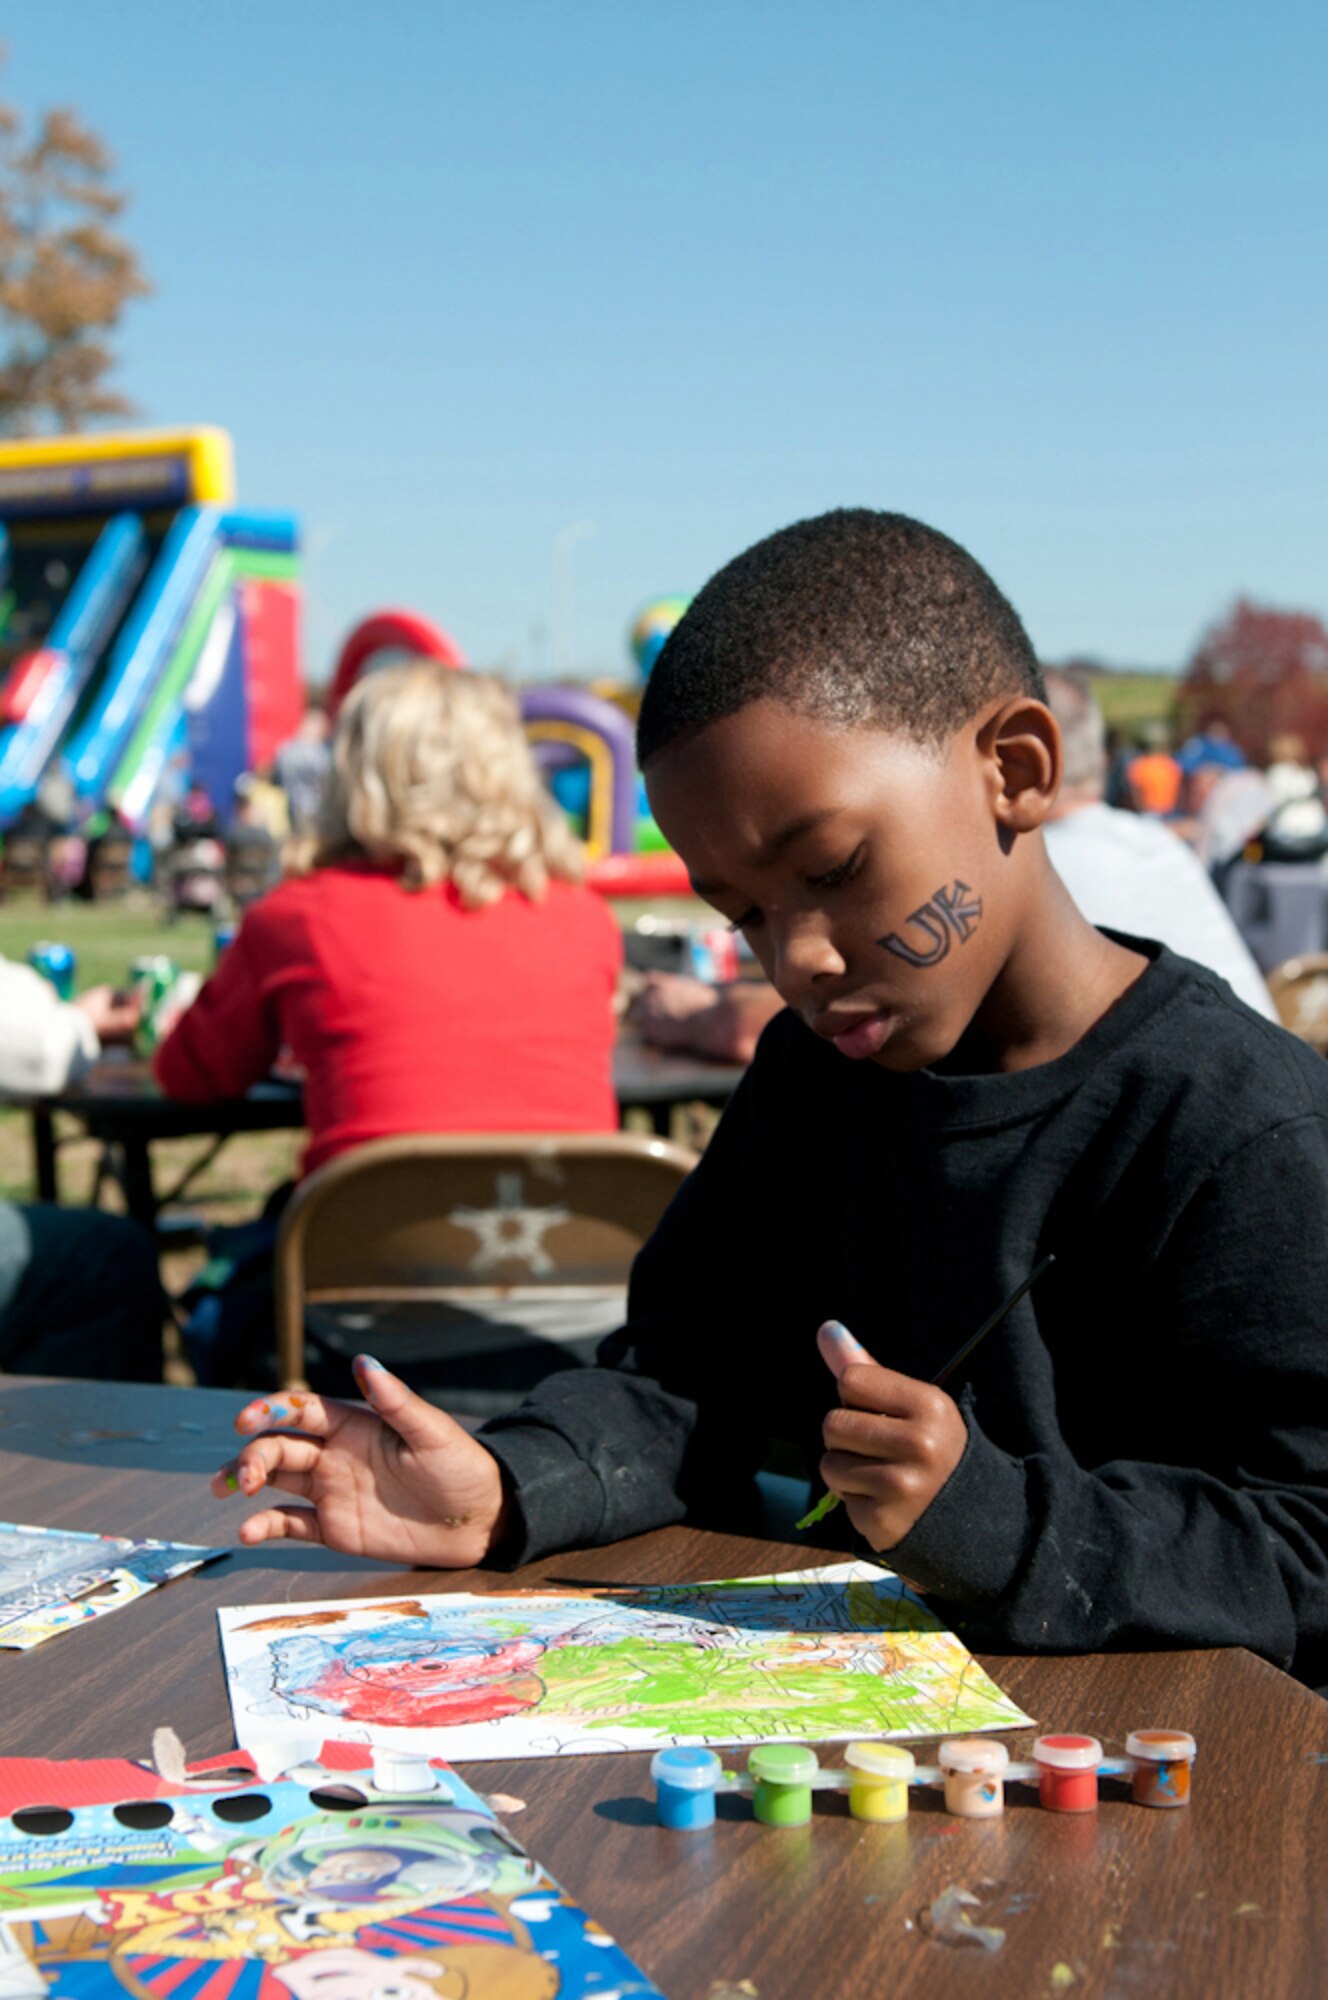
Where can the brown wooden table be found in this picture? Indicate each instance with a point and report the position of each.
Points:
(1223, 1901)
(118, 1103)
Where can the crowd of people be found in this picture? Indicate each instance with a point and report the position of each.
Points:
(194, 848)
(1003, 1019)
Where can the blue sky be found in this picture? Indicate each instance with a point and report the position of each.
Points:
(657, 276)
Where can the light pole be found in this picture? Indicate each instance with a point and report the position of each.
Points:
(564, 542)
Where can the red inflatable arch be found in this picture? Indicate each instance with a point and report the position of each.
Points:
(640, 875)
(403, 632)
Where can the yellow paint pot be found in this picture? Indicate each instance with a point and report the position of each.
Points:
(879, 1775)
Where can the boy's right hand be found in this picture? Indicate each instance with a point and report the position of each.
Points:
(401, 1481)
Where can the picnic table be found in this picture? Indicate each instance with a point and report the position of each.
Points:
(118, 1102)
(1222, 1901)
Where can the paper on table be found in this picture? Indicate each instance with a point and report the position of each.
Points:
(273, 1893)
(47, 1575)
(826, 1654)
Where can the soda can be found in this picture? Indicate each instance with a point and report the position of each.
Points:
(150, 981)
(713, 956)
(57, 963)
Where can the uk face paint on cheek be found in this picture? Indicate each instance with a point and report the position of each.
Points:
(951, 913)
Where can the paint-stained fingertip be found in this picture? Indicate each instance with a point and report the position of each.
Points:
(270, 1411)
(839, 1349)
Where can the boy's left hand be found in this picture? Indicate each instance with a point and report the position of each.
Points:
(891, 1445)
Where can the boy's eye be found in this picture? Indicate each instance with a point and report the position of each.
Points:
(844, 872)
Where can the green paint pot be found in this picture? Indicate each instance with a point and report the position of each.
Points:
(783, 1773)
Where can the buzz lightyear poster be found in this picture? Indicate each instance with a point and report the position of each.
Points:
(277, 1892)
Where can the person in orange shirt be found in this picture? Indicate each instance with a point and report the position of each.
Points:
(1153, 778)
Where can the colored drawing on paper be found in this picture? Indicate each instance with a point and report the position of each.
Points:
(48, 1577)
(827, 1654)
(271, 1893)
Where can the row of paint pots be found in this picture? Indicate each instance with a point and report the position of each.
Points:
(973, 1770)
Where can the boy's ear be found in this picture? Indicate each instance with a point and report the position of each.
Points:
(1020, 742)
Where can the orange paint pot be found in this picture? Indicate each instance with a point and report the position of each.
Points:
(1160, 1762)
(1067, 1772)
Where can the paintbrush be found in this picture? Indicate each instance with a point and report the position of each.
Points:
(828, 1501)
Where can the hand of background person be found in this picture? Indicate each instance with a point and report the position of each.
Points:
(401, 1481)
(666, 1007)
(114, 1015)
(724, 1022)
(892, 1443)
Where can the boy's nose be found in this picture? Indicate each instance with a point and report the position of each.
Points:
(804, 953)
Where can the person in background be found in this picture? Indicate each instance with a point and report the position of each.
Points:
(437, 964)
(253, 855)
(1225, 807)
(1152, 776)
(1290, 775)
(302, 764)
(260, 801)
(79, 1289)
(47, 1043)
(1211, 744)
(1127, 871)
(1118, 754)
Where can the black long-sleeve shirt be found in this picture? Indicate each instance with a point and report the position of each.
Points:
(1147, 1457)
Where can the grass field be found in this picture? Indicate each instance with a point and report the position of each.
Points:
(107, 937)
(1128, 701)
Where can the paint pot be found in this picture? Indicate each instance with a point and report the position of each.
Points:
(1067, 1772)
(878, 1780)
(1160, 1761)
(974, 1770)
(783, 1774)
(407, 1775)
(686, 1780)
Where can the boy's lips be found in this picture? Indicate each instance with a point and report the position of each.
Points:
(856, 1035)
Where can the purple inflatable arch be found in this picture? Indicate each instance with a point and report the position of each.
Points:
(584, 715)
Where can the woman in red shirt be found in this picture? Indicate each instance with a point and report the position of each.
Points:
(437, 965)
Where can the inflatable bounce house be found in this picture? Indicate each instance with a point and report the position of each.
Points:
(143, 618)
(586, 746)
(387, 635)
(584, 743)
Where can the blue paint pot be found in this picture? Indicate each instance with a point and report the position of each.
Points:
(685, 1784)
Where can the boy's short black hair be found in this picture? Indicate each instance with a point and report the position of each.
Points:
(853, 617)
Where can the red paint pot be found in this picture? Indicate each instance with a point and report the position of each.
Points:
(1067, 1772)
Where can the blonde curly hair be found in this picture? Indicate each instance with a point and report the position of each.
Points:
(432, 776)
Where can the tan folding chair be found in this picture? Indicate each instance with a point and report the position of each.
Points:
(1299, 987)
(532, 1232)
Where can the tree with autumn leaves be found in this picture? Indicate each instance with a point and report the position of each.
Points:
(66, 275)
(1265, 672)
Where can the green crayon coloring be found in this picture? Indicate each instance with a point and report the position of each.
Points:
(783, 1789)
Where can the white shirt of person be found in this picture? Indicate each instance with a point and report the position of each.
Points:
(1130, 873)
(45, 1043)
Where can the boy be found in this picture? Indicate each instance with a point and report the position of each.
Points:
(846, 740)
